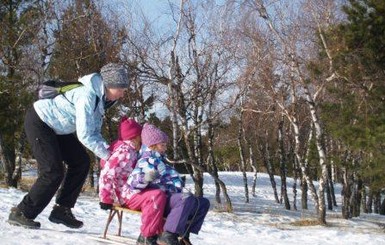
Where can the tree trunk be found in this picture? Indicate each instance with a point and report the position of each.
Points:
(364, 200)
(346, 193)
(377, 202)
(295, 176)
(282, 165)
(94, 169)
(332, 176)
(242, 158)
(197, 146)
(174, 119)
(7, 157)
(197, 169)
(319, 136)
(174, 73)
(252, 162)
(253, 165)
(197, 136)
(369, 203)
(331, 186)
(304, 189)
(303, 163)
(229, 206)
(21, 146)
(358, 198)
(211, 161)
(264, 148)
(328, 195)
(382, 207)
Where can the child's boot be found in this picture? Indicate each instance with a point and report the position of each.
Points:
(168, 238)
(147, 240)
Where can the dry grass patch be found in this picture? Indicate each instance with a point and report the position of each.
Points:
(222, 208)
(26, 182)
(306, 222)
(89, 191)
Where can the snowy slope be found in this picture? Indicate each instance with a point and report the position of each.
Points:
(262, 221)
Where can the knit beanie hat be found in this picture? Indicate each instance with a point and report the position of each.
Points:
(129, 129)
(151, 135)
(115, 76)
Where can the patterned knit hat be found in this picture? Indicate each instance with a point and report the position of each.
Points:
(152, 135)
(115, 76)
(129, 129)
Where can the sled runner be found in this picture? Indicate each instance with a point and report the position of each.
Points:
(114, 239)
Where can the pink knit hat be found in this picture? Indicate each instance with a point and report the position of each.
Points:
(152, 135)
(129, 129)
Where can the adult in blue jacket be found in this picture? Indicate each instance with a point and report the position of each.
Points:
(57, 130)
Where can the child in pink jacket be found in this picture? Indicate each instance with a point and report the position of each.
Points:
(116, 170)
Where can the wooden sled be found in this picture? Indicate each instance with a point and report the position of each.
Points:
(117, 211)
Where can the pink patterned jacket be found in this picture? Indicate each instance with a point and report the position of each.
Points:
(115, 172)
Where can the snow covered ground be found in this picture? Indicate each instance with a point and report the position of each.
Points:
(262, 221)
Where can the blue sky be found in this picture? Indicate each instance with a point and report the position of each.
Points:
(157, 11)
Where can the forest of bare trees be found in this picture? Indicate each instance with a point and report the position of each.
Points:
(293, 89)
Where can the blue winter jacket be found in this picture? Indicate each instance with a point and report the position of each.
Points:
(77, 111)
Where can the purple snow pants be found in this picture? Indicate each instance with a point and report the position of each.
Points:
(180, 210)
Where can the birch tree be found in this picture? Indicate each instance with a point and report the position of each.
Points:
(192, 67)
(292, 59)
(242, 156)
(275, 89)
(282, 165)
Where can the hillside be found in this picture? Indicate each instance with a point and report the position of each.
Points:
(262, 221)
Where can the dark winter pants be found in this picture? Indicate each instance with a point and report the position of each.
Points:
(50, 150)
(180, 210)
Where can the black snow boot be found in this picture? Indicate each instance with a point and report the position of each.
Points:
(16, 217)
(147, 240)
(63, 215)
(185, 240)
(168, 238)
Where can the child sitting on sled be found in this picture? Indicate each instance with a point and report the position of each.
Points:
(115, 171)
(184, 212)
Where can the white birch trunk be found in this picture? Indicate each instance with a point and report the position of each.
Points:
(171, 87)
(322, 156)
(254, 166)
(302, 163)
(242, 157)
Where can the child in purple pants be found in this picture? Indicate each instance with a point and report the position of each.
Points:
(184, 212)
